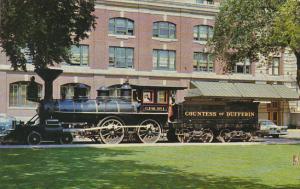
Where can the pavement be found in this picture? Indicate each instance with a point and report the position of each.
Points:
(293, 137)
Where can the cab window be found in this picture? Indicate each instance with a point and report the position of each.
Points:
(161, 97)
(148, 97)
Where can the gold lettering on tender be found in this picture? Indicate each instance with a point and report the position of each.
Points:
(215, 114)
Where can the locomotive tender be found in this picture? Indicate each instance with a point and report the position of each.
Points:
(139, 112)
(205, 120)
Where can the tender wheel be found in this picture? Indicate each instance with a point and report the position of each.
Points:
(207, 136)
(248, 137)
(34, 138)
(151, 131)
(66, 139)
(184, 135)
(225, 135)
(113, 132)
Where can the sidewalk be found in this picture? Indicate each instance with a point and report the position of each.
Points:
(292, 133)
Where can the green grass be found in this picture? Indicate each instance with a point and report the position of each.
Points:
(257, 166)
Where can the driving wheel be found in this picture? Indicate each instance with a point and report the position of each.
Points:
(113, 132)
(150, 131)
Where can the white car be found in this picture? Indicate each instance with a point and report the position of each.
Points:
(268, 128)
(6, 125)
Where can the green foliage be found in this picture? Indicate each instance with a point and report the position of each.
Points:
(43, 29)
(287, 25)
(247, 28)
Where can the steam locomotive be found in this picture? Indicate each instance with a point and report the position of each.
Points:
(143, 113)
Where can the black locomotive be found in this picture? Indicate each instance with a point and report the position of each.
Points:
(143, 113)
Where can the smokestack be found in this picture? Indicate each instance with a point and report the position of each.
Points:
(48, 75)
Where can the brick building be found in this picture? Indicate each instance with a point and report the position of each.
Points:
(150, 42)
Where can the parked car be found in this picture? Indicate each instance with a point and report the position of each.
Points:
(268, 128)
(7, 124)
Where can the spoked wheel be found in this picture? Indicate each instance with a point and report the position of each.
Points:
(247, 137)
(113, 132)
(151, 131)
(66, 139)
(225, 135)
(34, 138)
(184, 135)
(207, 136)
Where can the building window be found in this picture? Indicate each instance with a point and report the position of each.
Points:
(274, 66)
(164, 30)
(243, 67)
(205, 2)
(80, 55)
(203, 33)
(121, 26)
(203, 62)
(121, 57)
(18, 94)
(67, 90)
(164, 59)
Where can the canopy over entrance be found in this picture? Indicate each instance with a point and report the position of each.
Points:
(250, 91)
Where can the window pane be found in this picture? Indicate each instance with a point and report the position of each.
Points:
(163, 59)
(155, 58)
(75, 59)
(203, 32)
(172, 31)
(111, 26)
(276, 62)
(155, 30)
(111, 56)
(130, 27)
(161, 97)
(276, 71)
(121, 26)
(85, 55)
(129, 57)
(210, 32)
(172, 60)
(196, 33)
(195, 62)
(120, 57)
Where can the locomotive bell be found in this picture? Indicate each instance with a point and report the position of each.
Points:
(80, 92)
(102, 93)
(126, 90)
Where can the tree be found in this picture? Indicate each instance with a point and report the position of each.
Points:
(250, 28)
(43, 30)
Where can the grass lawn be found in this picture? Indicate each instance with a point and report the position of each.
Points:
(256, 166)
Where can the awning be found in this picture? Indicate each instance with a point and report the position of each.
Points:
(152, 86)
(204, 89)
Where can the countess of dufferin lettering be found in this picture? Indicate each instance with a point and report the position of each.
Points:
(206, 114)
(215, 114)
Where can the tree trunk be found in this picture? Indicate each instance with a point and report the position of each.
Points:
(297, 54)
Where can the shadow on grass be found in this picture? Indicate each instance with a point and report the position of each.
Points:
(95, 168)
